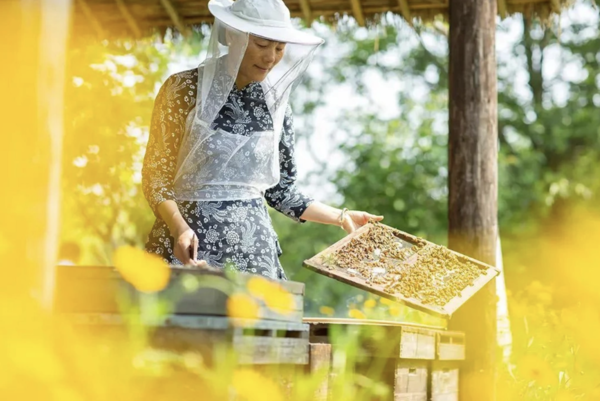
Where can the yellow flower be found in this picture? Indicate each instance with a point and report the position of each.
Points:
(272, 293)
(536, 369)
(258, 286)
(370, 303)
(145, 271)
(4, 245)
(242, 306)
(385, 301)
(356, 314)
(327, 310)
(252, 386)
(36, 359)
(564, 395)
(395, 310)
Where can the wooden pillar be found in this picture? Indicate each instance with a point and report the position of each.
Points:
(32, 124)
(320, 363)
(473, 170)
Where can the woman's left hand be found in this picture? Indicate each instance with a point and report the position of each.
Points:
(354, 219)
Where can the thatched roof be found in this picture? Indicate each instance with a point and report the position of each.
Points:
(136, 18)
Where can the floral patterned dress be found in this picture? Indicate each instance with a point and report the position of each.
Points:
(235, 232)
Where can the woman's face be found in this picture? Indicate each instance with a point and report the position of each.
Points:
(260, 58)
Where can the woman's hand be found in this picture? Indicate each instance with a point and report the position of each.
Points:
(324, 214)
(354, 219)
(186, 247)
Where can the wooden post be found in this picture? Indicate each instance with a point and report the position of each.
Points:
(32, 110)
(320, 363)
(473, 149)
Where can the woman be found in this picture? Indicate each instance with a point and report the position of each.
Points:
(222, 139)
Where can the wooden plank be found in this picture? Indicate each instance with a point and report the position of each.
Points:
(405, 11)
(502, 9)
(320, 364)
(357, 12)
(444, 381)
(255, 342)
(306, 12)
(450, 345)
(131, 21)
(417, 343)
(350, 321)
(175, 17)
(89, 15)
(97, 289)
(410, 380)
(267, 350)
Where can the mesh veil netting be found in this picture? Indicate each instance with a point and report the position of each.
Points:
(214, 164)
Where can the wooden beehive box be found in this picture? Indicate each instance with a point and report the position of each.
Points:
(404, 261)
(450, 346)
(255, 342)
(100, 289)
(444, 381)
(410, 381)
(417, 343)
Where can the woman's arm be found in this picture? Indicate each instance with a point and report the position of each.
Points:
(285, 196)
(349, 220)
(287, 199)
(160, 162)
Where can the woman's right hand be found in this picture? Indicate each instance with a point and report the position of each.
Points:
(186, 241)
(186, 248)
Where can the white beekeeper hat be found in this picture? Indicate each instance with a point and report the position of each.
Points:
(269, 19)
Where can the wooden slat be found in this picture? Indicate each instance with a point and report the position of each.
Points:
(319, 361)
(175, 17)
(85, 8)
(358, 12)
(131, 21)
(405, 11)
(349, 321)
(306, 12)
(502, 10)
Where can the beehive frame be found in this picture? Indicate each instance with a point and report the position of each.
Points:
(319, 263)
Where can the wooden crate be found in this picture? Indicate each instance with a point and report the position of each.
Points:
(417, 343)
(406, 340)
(319, 263)
(450, 345)
(410, 381)
(255, 342)
(444, 381)
(100, 289)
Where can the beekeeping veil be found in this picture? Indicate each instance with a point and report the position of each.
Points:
(218, 164)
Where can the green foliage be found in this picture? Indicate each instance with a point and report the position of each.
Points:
(109, 101)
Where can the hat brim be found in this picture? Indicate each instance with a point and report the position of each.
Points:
(286, 35)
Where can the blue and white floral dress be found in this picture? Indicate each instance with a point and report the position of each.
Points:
(233, 232)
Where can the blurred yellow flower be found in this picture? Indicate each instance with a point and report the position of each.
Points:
(395, 310)
(242, 306)
(327, 310)
(4, 246)
(386, 301)
(145, 271)
(36, 359)
(252, 386)
(536, 369)
(272, 293)
(258, 286)
(356, 314)
(370, 303)
(564, 395)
